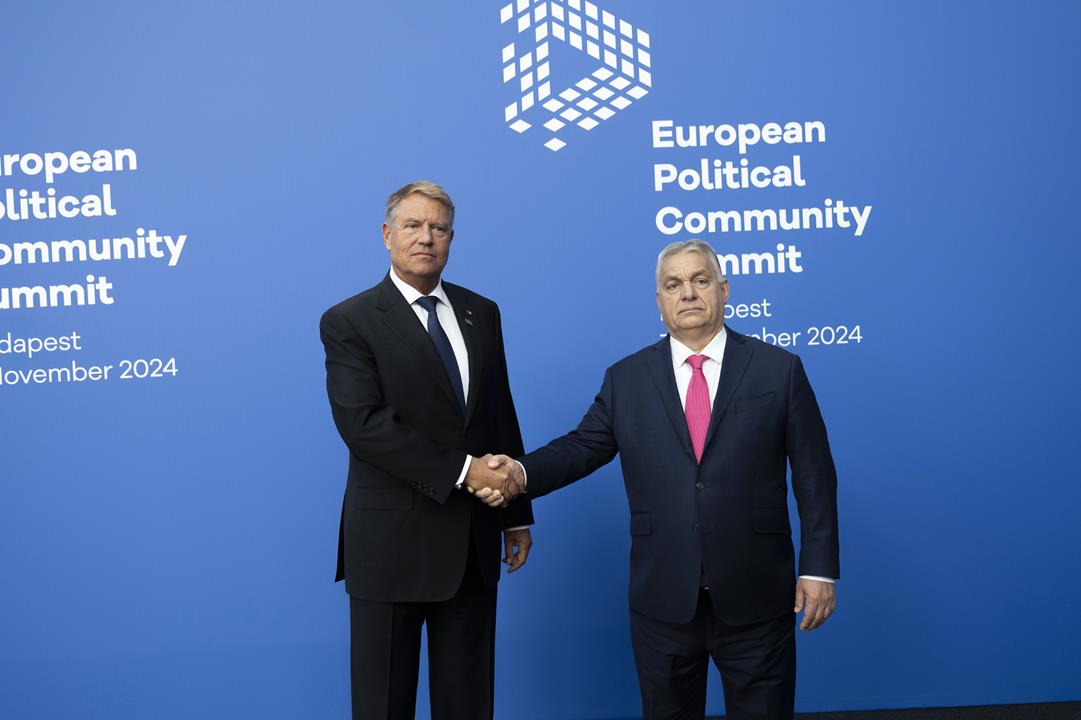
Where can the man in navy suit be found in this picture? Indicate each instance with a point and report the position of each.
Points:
(706, 422)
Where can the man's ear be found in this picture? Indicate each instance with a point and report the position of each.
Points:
(386, 236)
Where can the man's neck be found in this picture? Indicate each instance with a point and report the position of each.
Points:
(422, 285)
(697, 342)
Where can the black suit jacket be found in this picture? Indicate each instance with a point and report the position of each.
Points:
(405, 529)
(727, 516)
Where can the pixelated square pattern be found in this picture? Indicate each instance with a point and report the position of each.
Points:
(623, 73)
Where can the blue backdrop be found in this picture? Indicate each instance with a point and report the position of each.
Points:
(167, 543)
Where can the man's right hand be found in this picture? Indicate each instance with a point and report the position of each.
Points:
(494, 481)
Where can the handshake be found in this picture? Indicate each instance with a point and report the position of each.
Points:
(495, 479)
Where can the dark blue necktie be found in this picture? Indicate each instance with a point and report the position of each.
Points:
(442, 346)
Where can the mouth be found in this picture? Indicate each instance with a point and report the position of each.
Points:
(691, 310)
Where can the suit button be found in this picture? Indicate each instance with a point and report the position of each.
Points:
(700, 485)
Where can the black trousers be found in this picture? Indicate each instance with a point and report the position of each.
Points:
(757, 663)
(385, 653)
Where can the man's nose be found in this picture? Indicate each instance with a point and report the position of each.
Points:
(425, 236)
(688, 292)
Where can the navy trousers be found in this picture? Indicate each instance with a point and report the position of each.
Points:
(757, 663)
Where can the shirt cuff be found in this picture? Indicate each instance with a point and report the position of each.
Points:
(465, 469)
(520, 527)
(819, 579)
(525, 476)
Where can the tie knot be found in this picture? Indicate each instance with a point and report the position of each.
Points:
(695, 361)
(428, 302)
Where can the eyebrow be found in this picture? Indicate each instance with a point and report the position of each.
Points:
(696, 275)
(406, 219)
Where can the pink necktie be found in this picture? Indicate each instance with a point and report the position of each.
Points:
(697, 409)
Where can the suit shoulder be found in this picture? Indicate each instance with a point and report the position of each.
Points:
(465, 299)
(638, 359)
(359, 303)
(763, 351)
(767, 355)
(463, 294)
(766, 349)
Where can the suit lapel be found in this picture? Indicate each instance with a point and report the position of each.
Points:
(664, 380)
(467, 321)
(737, 355)
(402, 320)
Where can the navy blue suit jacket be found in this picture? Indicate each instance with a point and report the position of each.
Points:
(724, 520)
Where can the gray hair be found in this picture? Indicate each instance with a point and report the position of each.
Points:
(425, 188)
(699, 246)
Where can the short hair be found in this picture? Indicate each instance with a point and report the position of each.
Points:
(695, 245)
(425, 188)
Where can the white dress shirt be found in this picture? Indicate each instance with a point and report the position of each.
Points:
(711, 368)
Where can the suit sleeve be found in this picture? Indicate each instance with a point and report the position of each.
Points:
(578, 453)
(369, 426)
(519, 512)
(814, 478)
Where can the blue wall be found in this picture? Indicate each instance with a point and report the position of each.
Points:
(168, 544)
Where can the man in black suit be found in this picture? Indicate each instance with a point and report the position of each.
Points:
(418, 388)
(705, 423)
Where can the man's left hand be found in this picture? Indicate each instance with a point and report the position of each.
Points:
(817, 599)
(516, 545)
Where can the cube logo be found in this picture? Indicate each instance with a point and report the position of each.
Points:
(617, 55)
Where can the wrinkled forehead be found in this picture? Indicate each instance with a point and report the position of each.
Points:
(421, 207)
(685, 265)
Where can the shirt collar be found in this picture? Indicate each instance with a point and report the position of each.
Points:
(714, 350)
(411, 293)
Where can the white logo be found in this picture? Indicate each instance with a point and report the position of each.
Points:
(621, 50)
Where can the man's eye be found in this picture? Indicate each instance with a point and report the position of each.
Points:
(701, 282)
(671, 286)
